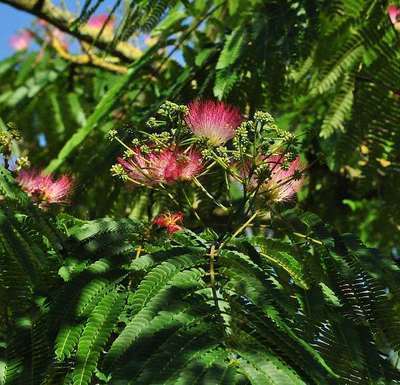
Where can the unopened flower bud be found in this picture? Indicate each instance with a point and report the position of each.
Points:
(128, 153)
(207, 153)
(5, 138)
(289, 138)
(145, 149)
(135, 142)
(22, 162)
(152, 122)
(118, 171)
(265, 118)
(291, 156)
(112, 134)
(263, 172)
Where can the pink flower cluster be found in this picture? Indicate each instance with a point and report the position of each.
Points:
(217, 122)
(21, 40)
(281, 185)
(45, 189)
(213, 120)
(167, 166)
(96, 23)
(170, 221)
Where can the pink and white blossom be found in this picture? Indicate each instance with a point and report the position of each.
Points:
(213, 120)
(61, 37)
(167, 166)
(281, 184)
(96, 23)
(54, 34)
(394, 16)
(43, 188)
(42, 23)
(188, 165)
(393, 13)
(21, 40)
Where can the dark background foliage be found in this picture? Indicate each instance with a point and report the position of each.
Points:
(326, 70)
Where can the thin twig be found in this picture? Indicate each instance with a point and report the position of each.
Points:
(239, 230)
(202, 188)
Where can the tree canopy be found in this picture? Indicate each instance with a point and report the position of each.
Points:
(201, 192)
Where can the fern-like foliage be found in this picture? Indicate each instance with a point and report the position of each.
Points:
(351, 79)
(113, 301)
(307, 306)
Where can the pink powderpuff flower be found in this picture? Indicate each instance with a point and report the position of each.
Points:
(146, 169)
(165, 166)
(61, 37)
(96, 23)
(190, 164)
(282, 184)
(393, 13)
(170, 221)
(43, 23)
(28, 181)
(45, 189)
(21, 40)
(54, 33)
(394, 16)
(214, 120)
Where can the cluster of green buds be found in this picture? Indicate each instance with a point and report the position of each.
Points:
(265, 119)
(118, 171)
(153, 123)
(112, 134)
(171, 110)
(8, 135)
(241, 139)
(223, 154)
(22, 162)
(259, 135)
(263, 172)
(128, 153)
(290, 156)
(160, 139)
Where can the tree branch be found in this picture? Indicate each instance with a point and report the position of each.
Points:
(63, 20)
(87, 59)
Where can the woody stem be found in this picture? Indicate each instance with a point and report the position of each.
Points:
(212, 255)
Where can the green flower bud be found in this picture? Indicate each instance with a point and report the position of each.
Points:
(145, 149)
(152, 122)
(118, 171)
(22, 162)
(264, 118)
(135, 142)
(111, 135)
(128, 153)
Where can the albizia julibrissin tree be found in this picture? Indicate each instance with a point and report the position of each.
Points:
(224, 283)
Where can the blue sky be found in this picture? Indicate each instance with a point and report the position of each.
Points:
(11, 21)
